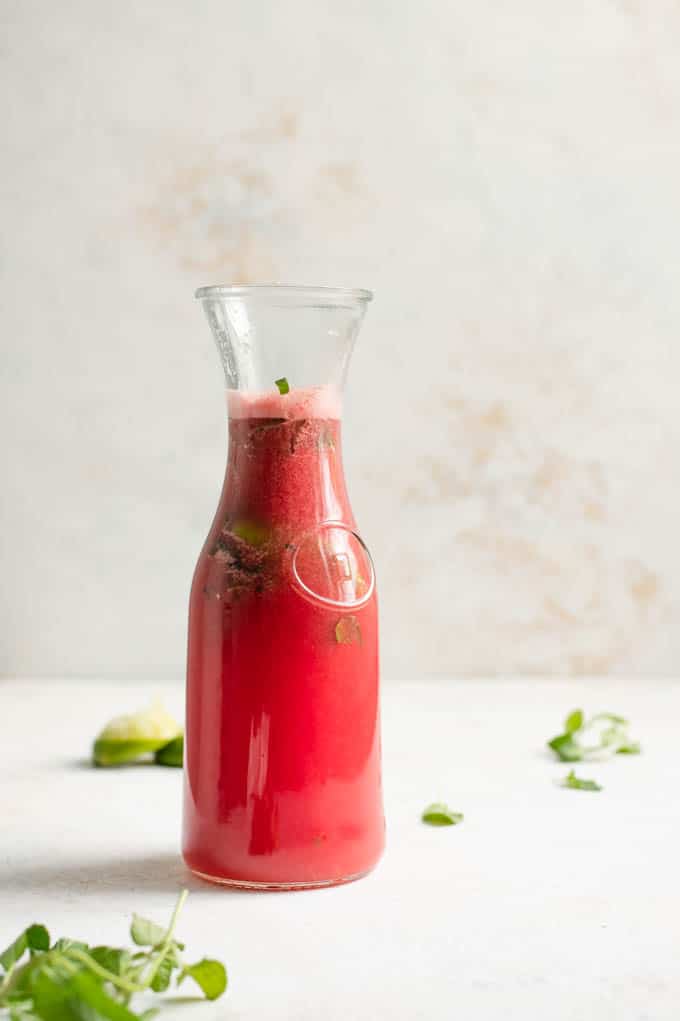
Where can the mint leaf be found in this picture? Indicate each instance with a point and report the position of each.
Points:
(283, 385)
(574, 721)
(113, 959)
(145, 933)
(599, 737)
(348, 631)
(439, 814)
(210, 975)
(35, 937)
(612, 717)
(566, 748)
(576, 783)
(89, 992)
(629, 749)
(171, 754)
(64, 945)
(161, 979)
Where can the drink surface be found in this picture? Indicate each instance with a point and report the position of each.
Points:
(282, 776)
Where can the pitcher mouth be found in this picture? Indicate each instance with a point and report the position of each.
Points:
(287, 293)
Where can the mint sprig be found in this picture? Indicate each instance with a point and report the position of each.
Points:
(577, 783)
(599, 737)
(69, 981)
(283, 385)
(439, 814)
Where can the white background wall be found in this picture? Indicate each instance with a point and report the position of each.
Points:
(505, 176)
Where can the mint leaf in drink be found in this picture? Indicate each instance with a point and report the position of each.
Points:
(576, 783)
(348, 631)
(71, 982)
(439, 814)
(599, 737)
(283, 385)
(171, 754)
(210, 976)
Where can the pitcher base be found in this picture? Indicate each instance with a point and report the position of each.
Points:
(246, 884)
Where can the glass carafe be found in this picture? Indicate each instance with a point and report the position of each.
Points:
(282, 762)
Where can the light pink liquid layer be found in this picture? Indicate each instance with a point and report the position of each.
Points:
(282, 776)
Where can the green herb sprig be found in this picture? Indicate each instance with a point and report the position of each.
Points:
(577, 783)
(70, 981)
(600, 737)
(283, 385)
(439, 814)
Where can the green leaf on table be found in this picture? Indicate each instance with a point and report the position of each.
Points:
(145, 933)
(439, 814)
(210, 975)
(574, 721)
(34, 938)
(171, 754)
(600, 737)
(78, 997)
(283, 385)
(576, 783)
(64, 945)
(161, 979)
(114, 959)
(566, 748)
(611, 717)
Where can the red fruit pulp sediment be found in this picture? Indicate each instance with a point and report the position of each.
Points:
(282, 769)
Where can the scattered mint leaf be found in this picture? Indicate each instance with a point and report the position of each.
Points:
(283, 385)
(566, 749)
(574, 721)
(210, 975)
(599, 737)
(612, 718)
(69, 944)
(91, 993)
(145, 933)
(171, 754)
(161, 979)
(113, 959)
(576, 783)
(439, 814)
(36, 937)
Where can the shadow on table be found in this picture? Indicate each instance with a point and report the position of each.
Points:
(159, 873)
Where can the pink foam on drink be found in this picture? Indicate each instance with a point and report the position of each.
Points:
(300, 402)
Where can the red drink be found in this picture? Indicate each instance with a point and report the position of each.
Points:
(282, 774)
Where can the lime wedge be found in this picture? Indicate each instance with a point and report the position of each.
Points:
(131, 738)
(171, 754)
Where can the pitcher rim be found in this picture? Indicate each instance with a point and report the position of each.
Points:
(325, 295)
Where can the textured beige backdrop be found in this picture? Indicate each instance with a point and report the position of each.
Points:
(505, 176)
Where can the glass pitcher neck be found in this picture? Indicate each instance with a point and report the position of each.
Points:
(284, 337)
(297, 404)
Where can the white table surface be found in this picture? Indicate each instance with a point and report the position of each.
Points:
(544, 904)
